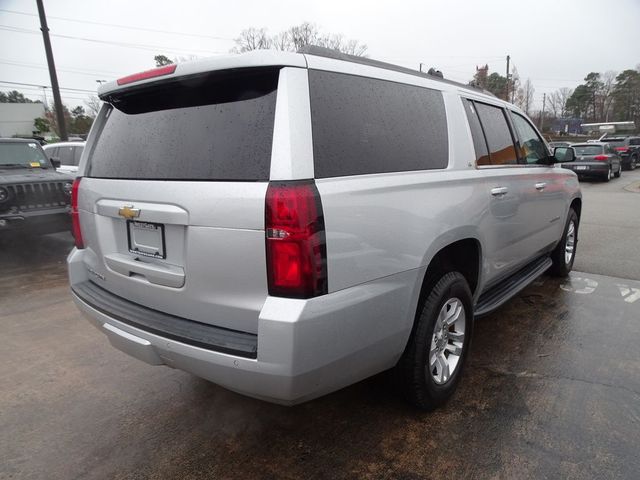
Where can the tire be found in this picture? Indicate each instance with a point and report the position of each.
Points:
(619, 172)
(562, 263)
(607, 177)
(426, 385)
(633, 163)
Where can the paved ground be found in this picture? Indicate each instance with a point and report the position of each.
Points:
(552, 390)
(610, 227)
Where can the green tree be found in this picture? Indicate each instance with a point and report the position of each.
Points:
(14, 97)
(626, 96)
(41, 124)
(80, 122)
(497, 84)
(162, 60)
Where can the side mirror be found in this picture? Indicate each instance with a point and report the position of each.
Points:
(55, 162)
(564, 154)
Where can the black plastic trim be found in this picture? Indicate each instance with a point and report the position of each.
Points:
(499, 294)
(183, 330)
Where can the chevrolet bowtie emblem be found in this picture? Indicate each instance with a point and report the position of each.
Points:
(129, 212)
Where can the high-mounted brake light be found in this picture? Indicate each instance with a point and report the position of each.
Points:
(155, 72)
(601, 157)
(75, 214)
(295, 240)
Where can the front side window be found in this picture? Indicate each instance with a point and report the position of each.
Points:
(496, 129)
(532, 147)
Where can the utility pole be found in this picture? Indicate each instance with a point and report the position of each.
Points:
(62, 127)
(506, 94)
(544, 101)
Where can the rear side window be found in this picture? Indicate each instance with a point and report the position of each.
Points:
(498, 135)
(217, 126)
(479, 142)
(363, 125)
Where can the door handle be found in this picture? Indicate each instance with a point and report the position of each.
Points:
(499, 191)
(540, 186)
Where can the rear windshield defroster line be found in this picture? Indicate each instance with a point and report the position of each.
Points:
(217, 126)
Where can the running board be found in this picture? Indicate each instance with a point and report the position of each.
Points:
(498, 295)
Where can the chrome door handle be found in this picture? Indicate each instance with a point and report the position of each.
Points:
(540, 186)
(499, 191)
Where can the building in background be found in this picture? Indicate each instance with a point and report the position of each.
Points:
(18, 118)
(567, 126)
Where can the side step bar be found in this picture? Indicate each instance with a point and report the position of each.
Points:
(498, 295)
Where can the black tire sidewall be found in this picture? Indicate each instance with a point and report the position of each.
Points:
(450, 285)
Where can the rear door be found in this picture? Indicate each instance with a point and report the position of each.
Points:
(172, 202)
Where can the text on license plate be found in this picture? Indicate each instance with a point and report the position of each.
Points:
(582, 167)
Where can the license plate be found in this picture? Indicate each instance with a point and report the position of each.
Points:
(146, 239)
(582, 167)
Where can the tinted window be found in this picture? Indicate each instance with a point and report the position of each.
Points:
(496, 130)
(532, 147)
(65, 155)
(214, 127)
(634, 141)
(479, 142)
(77, 154)
(363, 125)
(588, 149)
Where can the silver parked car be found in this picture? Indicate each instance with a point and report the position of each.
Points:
(285, 224)
(67, 153)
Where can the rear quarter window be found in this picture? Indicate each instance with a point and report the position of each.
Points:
(363, 125)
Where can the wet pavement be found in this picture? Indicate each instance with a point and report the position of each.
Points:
(551, 390)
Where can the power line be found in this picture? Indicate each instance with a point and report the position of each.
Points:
(47, 86)
(71, 69)
(143, 29)
(43, 67)
(140, 46)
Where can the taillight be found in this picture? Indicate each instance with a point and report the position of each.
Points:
(295, 240)
(156, 72)
(622, 149)
(75, 215)
(601, 157)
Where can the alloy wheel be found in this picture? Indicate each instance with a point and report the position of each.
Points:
(570, 243)
(447, 341)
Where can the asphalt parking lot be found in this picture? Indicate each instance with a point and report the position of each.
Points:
(552, 388)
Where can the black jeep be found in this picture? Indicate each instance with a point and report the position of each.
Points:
(34, 197)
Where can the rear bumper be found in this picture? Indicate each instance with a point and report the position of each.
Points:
(305, 348)
(37, 222)
(588, 169)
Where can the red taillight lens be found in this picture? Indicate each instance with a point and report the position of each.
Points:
(601, 157)
(75, 215)
(295, 238)
(622, 149)
(156, 72)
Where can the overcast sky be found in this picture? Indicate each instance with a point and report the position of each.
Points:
(555, 43)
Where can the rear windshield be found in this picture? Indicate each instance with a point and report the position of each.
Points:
(588, 149)
(614, 140)
(213, 127)
(22, 154)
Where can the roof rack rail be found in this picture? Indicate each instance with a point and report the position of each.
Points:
(338, 55)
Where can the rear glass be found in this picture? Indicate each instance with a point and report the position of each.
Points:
(363, 125)
(614, 140)
(587, 149)
(213, 127)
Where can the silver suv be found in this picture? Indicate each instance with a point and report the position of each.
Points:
(285, 225)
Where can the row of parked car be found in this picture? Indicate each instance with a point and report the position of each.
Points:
(603, 159)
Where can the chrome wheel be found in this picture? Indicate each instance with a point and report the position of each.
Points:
(570, 243)
(447, 341)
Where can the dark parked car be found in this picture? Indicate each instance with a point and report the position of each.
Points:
(628, 148)
(34, 197)
(595, 159)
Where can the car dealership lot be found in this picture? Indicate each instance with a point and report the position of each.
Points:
(552, 388)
